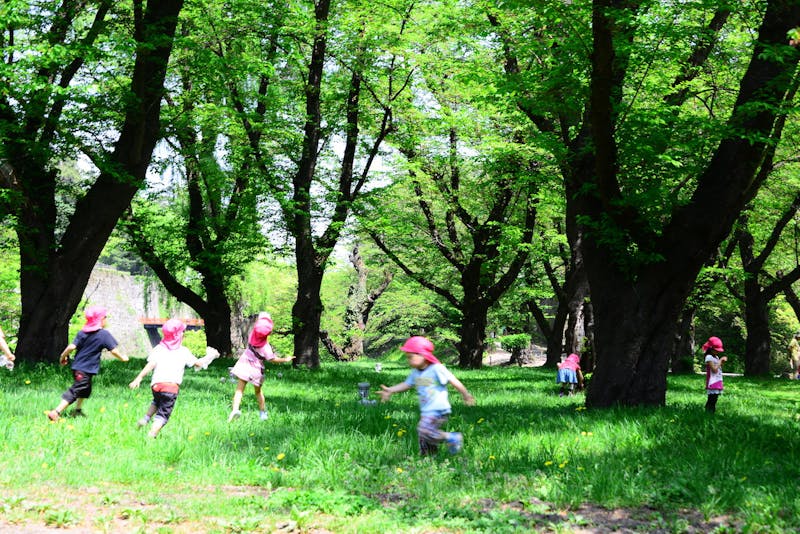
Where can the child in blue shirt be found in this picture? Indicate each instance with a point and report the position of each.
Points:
(89, 343)
(430, 378)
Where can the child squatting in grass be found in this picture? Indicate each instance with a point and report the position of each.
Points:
(430, 378)
(167, 361)
(89, 343)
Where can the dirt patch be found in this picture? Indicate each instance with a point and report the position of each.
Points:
(590, 519)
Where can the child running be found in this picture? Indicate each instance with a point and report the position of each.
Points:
(249, 367)
(167, 361)
(712, 349)
(430, 378)
(89, 343)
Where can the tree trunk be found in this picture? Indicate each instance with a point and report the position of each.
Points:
(359, 305)
(637, 304)
(217, 320)
(682, 360)
(307, 311)
(634, 331)
(53, 279)
(756, 319)
(472, 335)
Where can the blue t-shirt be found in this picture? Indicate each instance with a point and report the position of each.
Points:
(90, 347)
(431, 384)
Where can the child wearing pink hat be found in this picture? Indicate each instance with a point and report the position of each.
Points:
(569, 373)
(249, 368)
(89, 343)
(430, 378)
(712, 349)
(167, 361)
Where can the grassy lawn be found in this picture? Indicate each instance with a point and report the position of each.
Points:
(324, 463)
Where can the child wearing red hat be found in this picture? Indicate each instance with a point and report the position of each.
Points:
(712, 349)
(89, 343)
(430, 378)
(249, 368)
(167, 361)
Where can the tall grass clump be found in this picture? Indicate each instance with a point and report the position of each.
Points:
(531, 461)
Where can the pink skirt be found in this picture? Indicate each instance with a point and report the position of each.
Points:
(249, 368)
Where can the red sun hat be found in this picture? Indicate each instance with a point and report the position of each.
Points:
(173, 333)
(420, 345)
(94, 318)
(261, 331)
(713, 343)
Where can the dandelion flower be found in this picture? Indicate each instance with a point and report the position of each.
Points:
(548, 462)
(27, 382)
(387, 416)
(45, 465)
(102, 409)
(583, 433)
(70, 427)
(491, 457)
(562, 465)
(280, 457)
(399, 469)
(481, 420)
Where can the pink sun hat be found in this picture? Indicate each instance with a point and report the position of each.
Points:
(173, 333)
(420, 345)
(261, 331)
(713, 343)
(94, 318)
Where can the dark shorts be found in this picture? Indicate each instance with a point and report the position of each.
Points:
(164, 403)
(81, 388)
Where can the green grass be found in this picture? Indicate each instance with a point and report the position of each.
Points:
(530, 459)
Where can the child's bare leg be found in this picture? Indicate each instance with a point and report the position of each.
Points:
(260, 398)
(237, 400)
(158, 424)
(151, 410)
(53, 415)
(262, 410)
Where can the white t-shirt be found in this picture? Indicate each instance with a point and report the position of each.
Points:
(170, 364)
(713, 378)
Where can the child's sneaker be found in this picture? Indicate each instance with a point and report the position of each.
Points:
(143, 421)
(454, 442)
(78, 413)
(234, 415)
(263, 415)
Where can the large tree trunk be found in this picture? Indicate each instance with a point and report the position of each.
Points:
(682, 359)
(637, 313)
(217, 319)
(756, 320)
(634, 332)
(472, 334)
(307, 311)
(54, 274)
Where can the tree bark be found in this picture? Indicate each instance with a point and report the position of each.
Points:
(637, 316)
(356, 315)
(54, 273)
